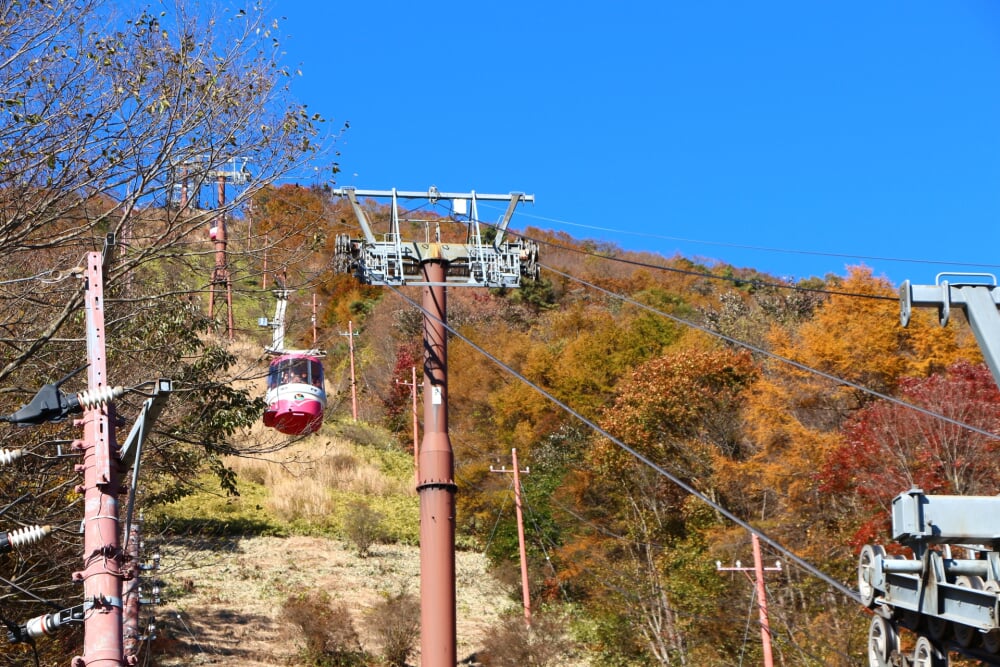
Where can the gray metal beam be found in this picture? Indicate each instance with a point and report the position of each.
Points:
(432, 194)
(979, 301)
(505, 220)
(360, 213)
(981, 311)
(939, 519)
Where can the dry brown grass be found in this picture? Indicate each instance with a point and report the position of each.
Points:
(231, 614)
(302, 477)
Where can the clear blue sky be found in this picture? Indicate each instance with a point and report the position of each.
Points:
(868, 129)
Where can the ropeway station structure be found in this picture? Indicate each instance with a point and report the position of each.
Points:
(434, 264)
(390, 260)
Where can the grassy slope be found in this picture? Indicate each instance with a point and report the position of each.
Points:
(230, 562)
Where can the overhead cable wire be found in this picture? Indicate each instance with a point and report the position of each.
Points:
(786, 360)
(790, 639)
(684, 486)
(541, 543)
(25, 591)
(739, 246)
(503, 506)
(755, 282)
(746, 628)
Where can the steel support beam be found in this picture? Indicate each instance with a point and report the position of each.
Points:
(978, 300)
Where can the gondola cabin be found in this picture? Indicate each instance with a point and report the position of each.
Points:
(295, 395)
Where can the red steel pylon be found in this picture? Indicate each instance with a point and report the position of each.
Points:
(436, 485)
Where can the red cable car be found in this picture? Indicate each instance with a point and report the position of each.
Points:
(295, 395)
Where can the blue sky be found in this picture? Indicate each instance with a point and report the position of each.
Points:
(848, 132)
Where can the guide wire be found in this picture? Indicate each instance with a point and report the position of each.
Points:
(736, 281)
(684, 486)
(778, 357)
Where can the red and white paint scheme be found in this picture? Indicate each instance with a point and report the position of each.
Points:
(295, 394)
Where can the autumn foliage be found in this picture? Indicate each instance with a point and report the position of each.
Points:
(888, 447)
(768, 399)
(783, 433)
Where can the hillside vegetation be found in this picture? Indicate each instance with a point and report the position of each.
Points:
(655, 399)
(682, 362)
(687, 364)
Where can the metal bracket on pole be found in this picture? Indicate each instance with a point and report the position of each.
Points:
(150, 411)
(366, 228)
(107, 252)
(505, 220)
(979, 299)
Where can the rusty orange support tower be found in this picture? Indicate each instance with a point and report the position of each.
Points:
(436, 485)
(220, 274)
(433, 266)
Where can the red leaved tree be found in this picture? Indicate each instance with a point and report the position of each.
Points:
(889, 448)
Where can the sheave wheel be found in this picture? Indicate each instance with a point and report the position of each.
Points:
(964, 634)
(991, 639)
(937, 628)
(926, 655)
(866, 569)
(882, 641)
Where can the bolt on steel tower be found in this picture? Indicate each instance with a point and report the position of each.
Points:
(434, 264)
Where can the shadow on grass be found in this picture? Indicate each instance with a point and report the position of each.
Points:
(213, 528)
(210, 635)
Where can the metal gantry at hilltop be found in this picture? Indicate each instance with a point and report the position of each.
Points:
(435, 263)
(948, 592)
(478, 262)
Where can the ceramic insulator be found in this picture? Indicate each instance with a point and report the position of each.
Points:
(91, 399)
(27, 535)
(8, 456)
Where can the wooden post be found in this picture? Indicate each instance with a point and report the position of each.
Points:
(525, 588)
(354, 384)
(758, 569)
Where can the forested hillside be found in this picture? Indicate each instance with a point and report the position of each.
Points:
(767, 397)
(663, 404)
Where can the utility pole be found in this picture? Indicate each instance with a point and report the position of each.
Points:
(525, 590)
(354, 384)
(413, 396)
(103, 573)
(433, 265)
(102, 554)
(758, 569)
